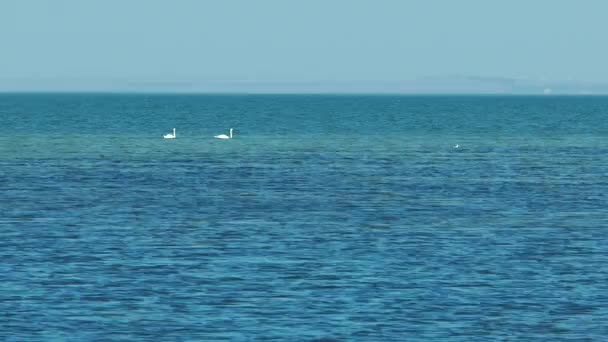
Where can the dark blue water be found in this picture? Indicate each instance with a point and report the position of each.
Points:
(335, 218)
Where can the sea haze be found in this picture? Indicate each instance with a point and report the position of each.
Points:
(338, 217)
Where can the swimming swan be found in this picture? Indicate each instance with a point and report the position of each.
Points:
(169, 135)
(224, 136)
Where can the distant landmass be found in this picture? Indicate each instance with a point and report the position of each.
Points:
(428, 85)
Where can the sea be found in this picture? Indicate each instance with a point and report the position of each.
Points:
(325, 218)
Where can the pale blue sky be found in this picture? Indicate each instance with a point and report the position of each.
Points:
(87, 42)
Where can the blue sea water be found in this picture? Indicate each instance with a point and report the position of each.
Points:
(327, 218)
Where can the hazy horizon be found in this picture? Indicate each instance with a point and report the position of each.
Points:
(430, 86)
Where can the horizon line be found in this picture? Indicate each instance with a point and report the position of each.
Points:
(165, 92)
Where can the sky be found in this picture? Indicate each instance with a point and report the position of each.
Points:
(328, 45)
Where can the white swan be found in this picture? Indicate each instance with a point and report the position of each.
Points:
(224, 136)
(169, 135)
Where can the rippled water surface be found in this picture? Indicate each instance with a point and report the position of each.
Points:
(333, 218)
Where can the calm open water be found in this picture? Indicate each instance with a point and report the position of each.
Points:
(333, 218)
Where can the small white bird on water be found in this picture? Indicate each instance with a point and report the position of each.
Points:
(456, 146)
(169, 135)
(224, 136)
